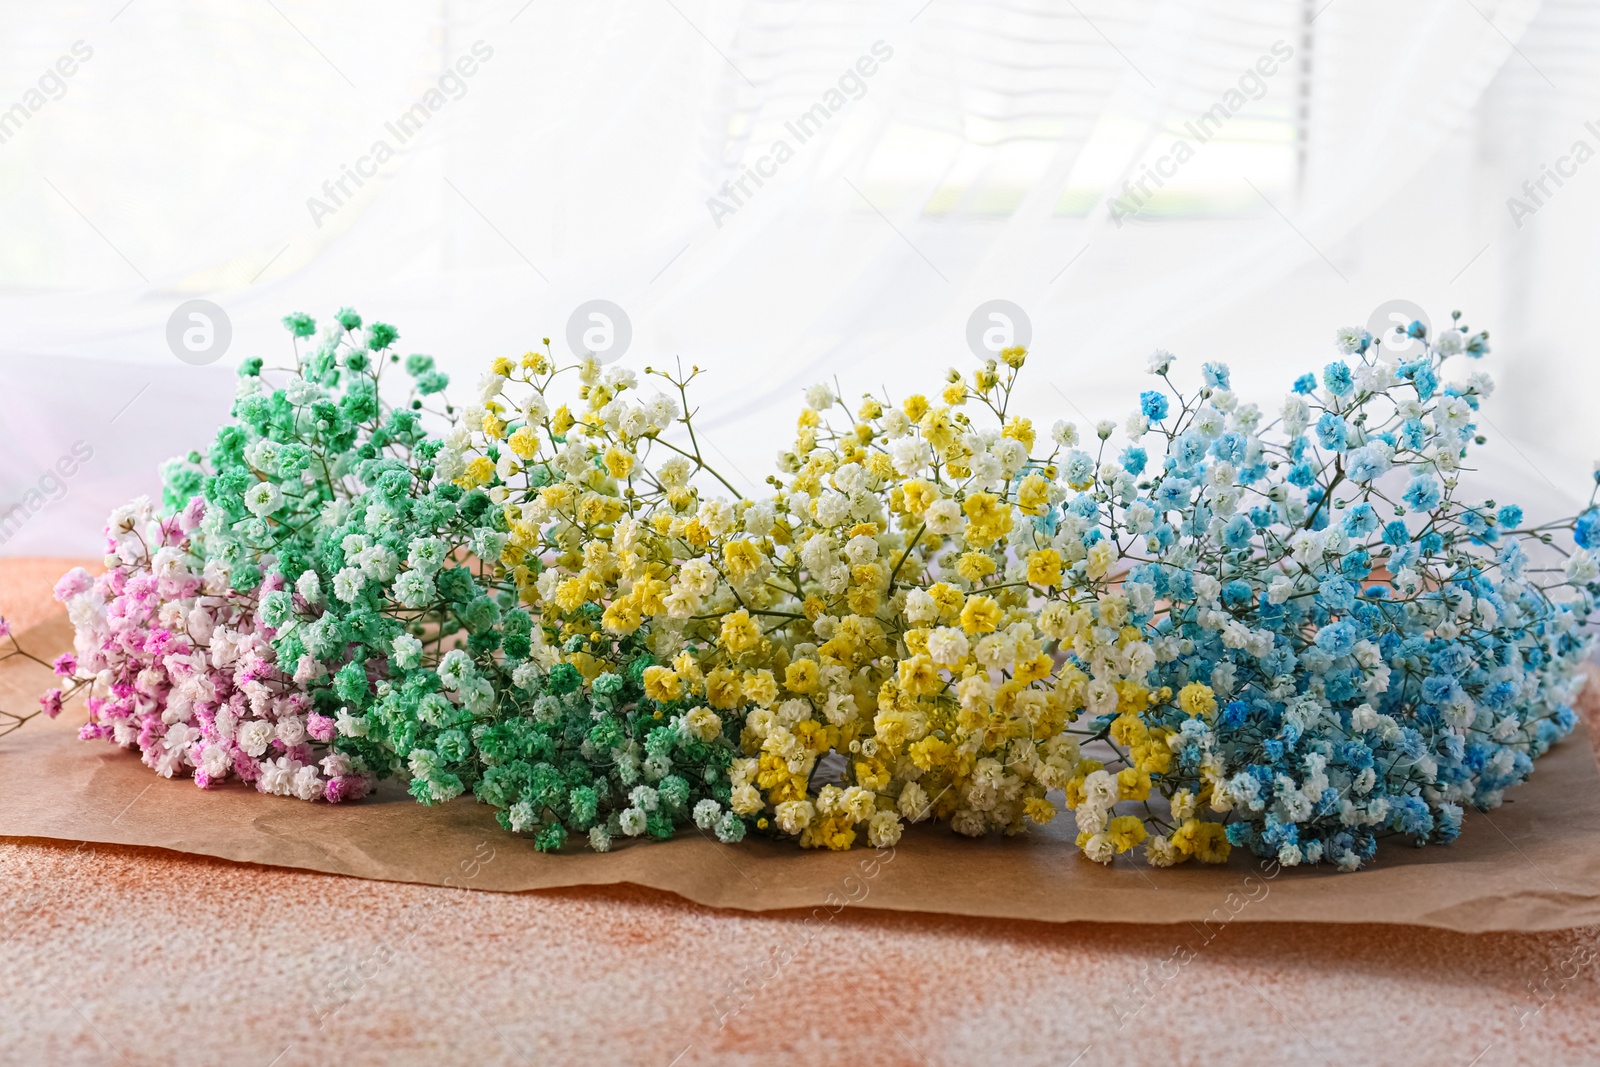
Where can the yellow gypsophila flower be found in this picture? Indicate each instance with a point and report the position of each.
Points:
(1197, 699)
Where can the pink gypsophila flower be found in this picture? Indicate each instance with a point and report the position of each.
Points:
(74, 583)
(184, 668)
(346, 787)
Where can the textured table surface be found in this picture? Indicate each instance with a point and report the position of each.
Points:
(120, 955)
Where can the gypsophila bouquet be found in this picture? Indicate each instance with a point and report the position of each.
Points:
(178, 642)
(527, 536)
(1339, 648)
(1287, 633)
(1254, 653)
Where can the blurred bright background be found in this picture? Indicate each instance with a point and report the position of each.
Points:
(1228, 180)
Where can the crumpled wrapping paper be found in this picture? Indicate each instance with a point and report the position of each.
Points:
(1533, 864)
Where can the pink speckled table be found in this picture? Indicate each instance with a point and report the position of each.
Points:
(123, 955)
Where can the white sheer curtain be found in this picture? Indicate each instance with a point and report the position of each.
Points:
(586, 155)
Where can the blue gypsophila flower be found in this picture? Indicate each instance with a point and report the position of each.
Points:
(1424, 493)
(1153, 405)
(1587, 529)
(1079, 468)
(1440, 689)
(1337, 594)
(1187, 450)
(1215, 375)
(1366, 464)
(1230, 448)
(1337, 639)
(1360, 520)
(1238, 532)
(1333, 431)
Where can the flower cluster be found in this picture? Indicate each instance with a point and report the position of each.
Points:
(477, 616)
(180, 665)
(177, 642)
(1288, 633)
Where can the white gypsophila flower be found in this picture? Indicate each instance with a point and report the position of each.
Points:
(306, 783)
(911, 456)
(263, 456)
(698, 577)
(832, 508)
(793, 816)
(490, 386)
(674, 473)
(947, 646)
(861, 550)
(706, 813)
(262, 499)
(820, 396)
(415, 589)
(1208, 422)
(407, 651)
(254, 736)
(760, 518)
(309, 586)
(1100, 790)
(883, 830)
(849, 478)
(944, 517)
(277, 776)
(525, 676)
(1582, 568)
(1351, 339)
(348, 583)
(290, 730)
(215, 761)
